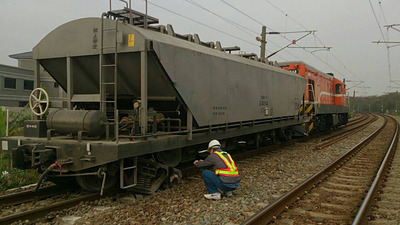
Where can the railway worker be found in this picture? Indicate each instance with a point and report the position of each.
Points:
(224, 174)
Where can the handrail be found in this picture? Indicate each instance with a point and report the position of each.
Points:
(124, 1)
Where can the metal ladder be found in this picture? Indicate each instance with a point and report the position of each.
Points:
(123, 170)
(109, 79)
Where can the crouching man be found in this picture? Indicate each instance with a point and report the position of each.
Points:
(225, 175)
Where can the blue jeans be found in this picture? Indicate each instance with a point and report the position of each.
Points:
(213, 183)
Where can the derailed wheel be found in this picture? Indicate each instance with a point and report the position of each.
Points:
(93, 183)
(175, 177)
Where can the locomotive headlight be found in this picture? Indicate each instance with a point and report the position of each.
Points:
(136, 104)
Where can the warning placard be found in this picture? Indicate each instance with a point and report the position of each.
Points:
(131, 40)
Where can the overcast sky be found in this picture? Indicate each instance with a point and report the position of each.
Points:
(347, 26)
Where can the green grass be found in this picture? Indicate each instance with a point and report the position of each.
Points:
(12, 178)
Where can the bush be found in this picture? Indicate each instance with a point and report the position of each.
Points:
(14, 178)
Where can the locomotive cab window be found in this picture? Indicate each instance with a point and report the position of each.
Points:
(338, 88)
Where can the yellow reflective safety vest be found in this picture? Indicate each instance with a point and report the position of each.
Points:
(231, 170)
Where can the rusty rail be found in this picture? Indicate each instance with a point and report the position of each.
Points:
(347, 134)
(29, 195)
(271, 211)
(39, 212)
(357, 120)
(364, 214)
(348, 130)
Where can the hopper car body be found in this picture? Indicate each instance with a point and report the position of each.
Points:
(142, 101)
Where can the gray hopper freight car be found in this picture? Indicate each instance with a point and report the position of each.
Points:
(141, 101)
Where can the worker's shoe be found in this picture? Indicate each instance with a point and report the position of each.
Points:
(213, 196)
(227, 194)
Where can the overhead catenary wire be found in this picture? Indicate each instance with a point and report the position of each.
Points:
(233, 23)
(377, 21)
(319, 40)
(243, 13)
(383, 13)
(205, 25)
(385, 41)
(257, 21)
(245, 29)
(223, 18)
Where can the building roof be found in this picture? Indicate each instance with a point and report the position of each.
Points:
(8, 67)
(15, 72)
(23, 55)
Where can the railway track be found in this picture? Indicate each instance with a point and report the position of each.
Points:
(358, 119)
(383, 204)
(42, 203)
(355, 128)
(40, 212)
(335, 193)
(29, 195)
(365, 119)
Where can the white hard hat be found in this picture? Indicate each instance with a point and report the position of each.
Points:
(214, 143)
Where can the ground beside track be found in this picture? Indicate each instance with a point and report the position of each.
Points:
(265, 178)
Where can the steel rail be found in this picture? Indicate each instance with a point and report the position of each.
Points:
(364, 212)
(30, 195)
(351, 129)
(271, 211)
(358, 119)
(190, 170)
(329, 143)
(39, 212)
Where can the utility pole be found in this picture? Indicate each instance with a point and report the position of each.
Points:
(263, 42)
(294, 42)
(145, 18)
(390, 44)
(354, 101)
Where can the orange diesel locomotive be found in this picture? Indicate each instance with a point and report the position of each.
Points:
(324, 98)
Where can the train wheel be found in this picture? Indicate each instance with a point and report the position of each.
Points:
(170, 158)
(93, 183)
(175, 177)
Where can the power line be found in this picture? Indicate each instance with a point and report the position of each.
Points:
(385, 41)
(232, 23)
(281, 35)
(280, 10)
(238, 25)
(377, 22)
(243, 13)
(383, 14)
(223, 18)
(203, 24)
(320, 41)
